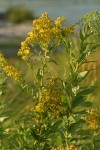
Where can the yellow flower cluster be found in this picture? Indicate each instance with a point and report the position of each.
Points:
(39, 107)
(72, 147)
(68, 147)
(51, 97)
(3, 61)
(93, 119)
(51, 102)
(68, 30)
(25, 51)
(12, 72)
(59, 21)
(45, 32)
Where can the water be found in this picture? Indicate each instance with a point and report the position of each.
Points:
(72, 9)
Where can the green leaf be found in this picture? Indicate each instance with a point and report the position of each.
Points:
(87, 91)
(2, 119)
(62, 136)
(84, 55)
(77, 100)
(68, 110)
(95, 46)
(85, 137)
(80, 97)
(1, 93)
(97, 140)
(39, 74)
(81, 35)
(83, 74)
(71, 140)
(87, 146)
(80, 112)
(56, 124)
(83, 132)
(74, 126)
(75, 89)
(52, 128)
(73, 55)
(34, 134)
(87, 104)
(83, 47)
(87, 35)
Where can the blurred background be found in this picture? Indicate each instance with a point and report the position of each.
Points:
(16, 17)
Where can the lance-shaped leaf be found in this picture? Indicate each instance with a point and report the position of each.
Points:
(78, 100)
(39, 74)
(87, 104)
(87, 91)
(75, 126)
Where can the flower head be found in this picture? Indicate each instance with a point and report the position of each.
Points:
(68, 30)
(24, 52)
(93, 119)
(68, 147)
(12, 72)
(45, 32)
(59, 21)
(50, 105)
(3, 61)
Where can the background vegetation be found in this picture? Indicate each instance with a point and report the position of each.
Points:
(18, 14)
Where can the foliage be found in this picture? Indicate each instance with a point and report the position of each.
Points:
(2, 105)
(60, 117)
(18, 14)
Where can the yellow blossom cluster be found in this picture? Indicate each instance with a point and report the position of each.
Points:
(25, 51)
(51, 102)
(93, 119)
(51, 97)
(12, 72)
(45, 32)
(39, 107)
(68, 147)
(68, 30)
(3, 61)
(58, 22)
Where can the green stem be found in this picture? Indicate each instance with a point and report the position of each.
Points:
(93, 144)
(43, 72)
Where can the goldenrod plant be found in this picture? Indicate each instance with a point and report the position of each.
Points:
(3, 80)
(60, 117)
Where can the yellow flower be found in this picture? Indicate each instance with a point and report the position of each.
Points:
(68, 147)
(24, 52)
(43, 21)
(68, 30)
(39, 107)
(51, 98)
(50, 105)
(12, 72)
(93, 119)
(3, 61)
(45, 32)
(59, 21)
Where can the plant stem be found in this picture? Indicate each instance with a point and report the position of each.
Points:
(93, 144)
